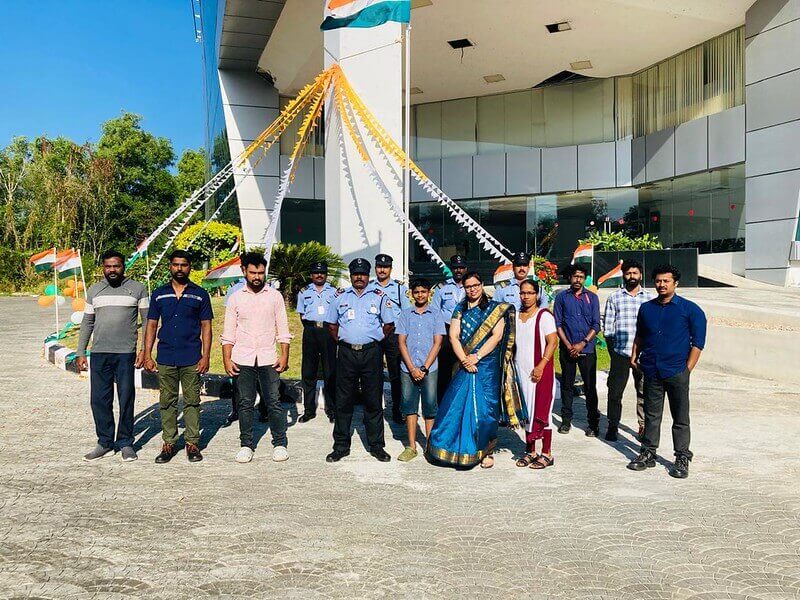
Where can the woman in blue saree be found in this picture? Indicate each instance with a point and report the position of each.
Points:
(484, 391)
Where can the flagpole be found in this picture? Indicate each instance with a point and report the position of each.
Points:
(55, 283)
(83, 279)
(407, 151)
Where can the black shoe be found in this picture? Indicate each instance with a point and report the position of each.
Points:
(381, 455)
(645, 460)
(611, 434)
(680, 468)
(193, 453)
(336, 456)
(331, 417)
(564, 428)
(167, 452)
(306, 417)
(590, 432)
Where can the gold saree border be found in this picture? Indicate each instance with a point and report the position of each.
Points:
(462, 460)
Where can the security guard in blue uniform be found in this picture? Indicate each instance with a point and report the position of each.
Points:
(445, 299)
(312, 306)
(358, 319)
(508, 291)
(390, 347)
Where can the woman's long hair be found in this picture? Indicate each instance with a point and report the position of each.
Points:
(484, 302)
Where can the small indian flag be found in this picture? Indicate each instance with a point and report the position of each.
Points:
(611, 279)
(503, 273)
(583, 254)
(141, 250)
(43, 261)
(68, 264)
(364, 13)
(224, 274)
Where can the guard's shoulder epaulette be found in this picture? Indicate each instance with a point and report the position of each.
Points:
(501, 284)
(438, 286)
(340, 291)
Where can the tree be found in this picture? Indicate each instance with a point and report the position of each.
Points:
(213, 242)
(289, 264)
(191, 175)
(14, 163)
(146, 192)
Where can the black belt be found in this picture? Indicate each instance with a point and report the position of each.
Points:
(358, 346)
(317, 324)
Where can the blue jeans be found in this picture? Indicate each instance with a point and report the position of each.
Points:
(105, 370)
(413, 392)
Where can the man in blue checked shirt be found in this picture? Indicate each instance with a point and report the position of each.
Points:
(312, 306)
(420, 331)
(396, 292)
(358, 319)
(619, 327)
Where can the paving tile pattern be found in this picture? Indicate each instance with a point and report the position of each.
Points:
(587, 528)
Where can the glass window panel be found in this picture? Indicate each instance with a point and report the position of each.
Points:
(491, 125)
(429, 130)
(727, 210)
(691, 220)
(537, 118)
(546, 224)
(502, 218)
(302, 221)
(588, 112)
(519, 127)
(458, 128)
(558, 113)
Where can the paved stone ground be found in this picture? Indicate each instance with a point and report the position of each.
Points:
(588, 528)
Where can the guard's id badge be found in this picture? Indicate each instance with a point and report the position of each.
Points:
(320, 310)
(351, 314)
(373, 309)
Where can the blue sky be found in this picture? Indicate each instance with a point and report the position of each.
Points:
(69, 65)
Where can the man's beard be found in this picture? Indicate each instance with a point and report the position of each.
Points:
(256, 285)
(632, 284)
(114, 280)
(180, 277)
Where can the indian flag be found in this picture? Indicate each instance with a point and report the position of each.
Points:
(503, 273)
(68, 264)
(583, 254)
(364, 13)
(43, 261)
(611, 279)
(141, 250)
(224, 274)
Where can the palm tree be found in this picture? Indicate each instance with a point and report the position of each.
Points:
(290, 263)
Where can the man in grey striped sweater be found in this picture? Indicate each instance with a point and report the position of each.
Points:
(113, 308)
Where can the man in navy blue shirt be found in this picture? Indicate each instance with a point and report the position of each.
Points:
(184, 347)
(670, 334)
(577, 312)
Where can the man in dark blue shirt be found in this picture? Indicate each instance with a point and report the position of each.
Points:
(670, 334)
(577, 312)
(184, 345)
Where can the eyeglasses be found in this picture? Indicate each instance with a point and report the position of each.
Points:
(474, 286)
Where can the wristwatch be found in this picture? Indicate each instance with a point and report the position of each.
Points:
(585, 341)
(424, 369)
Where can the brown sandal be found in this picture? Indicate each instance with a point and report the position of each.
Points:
(527, 460)
(485, 465)
(542, 462)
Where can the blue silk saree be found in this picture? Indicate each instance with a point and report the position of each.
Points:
(465, 430)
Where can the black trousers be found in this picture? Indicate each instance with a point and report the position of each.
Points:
(318, 345)
(263, 412)
(447, 360)
(267, 380)
(617, 381)
(354, 367)
(390, 349)
(587, 364)
(676, 388)
(105, 370)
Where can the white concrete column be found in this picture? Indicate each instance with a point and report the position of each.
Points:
(358, 223)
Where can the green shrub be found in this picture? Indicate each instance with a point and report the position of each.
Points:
(290, 263)
(619, 242)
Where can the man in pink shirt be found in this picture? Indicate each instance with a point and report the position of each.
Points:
(255, 322)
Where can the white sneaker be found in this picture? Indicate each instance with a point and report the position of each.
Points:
(245, 455)
(280, 454)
